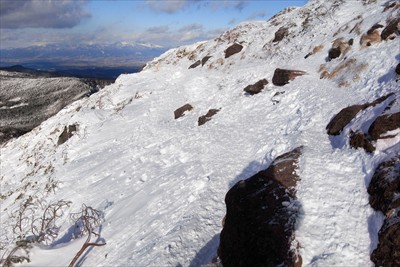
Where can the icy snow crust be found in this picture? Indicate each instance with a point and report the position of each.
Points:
(161, 182)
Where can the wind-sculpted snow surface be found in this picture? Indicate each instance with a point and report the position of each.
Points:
(160, 182)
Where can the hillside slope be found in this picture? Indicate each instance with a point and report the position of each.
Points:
(160, 182)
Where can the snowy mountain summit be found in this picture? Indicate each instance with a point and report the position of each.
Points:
(137, 174)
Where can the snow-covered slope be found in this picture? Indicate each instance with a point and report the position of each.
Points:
(160, 182)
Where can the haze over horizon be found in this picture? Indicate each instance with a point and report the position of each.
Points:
(26, 23)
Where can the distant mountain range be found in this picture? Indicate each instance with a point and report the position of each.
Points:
(119, 54)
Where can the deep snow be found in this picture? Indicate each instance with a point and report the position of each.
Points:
(161, 182)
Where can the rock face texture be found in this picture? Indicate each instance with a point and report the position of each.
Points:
(256, 88)
(384, 190)
(27, 99)
(282, 76)
(260, 218)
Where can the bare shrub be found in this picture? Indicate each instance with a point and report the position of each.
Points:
(86, 221)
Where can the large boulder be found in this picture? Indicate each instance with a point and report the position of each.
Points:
(256, 88)
(384, 190)
(261, 214)
(233, 49)
(282, 76)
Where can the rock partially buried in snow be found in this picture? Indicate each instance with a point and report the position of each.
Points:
(194, 65)
(360, 140)
(233, 49)
(181, 111)
(282, 76)
(389, 32)
(383, 124)
(256, 88)
(384, 190)
(281, 33)
(340, 120)
(67, 133)
(205, 118)
(260, 218)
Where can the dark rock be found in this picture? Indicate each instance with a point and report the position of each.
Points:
(261, 215)
(384, 124)
(67, 134)
(334, 53)
(340, 120)
(233, 49)
(282, 76)
(205, 118)
(256, 88)
(384, 190)
(281, 33)
(194, 65)
(374, 27)
(390, 29)
(385, 185)
(397, 70)
(388, 251)
(351, 41)
(359, 140)
(205, 59)
(336, 125)
(181, 111)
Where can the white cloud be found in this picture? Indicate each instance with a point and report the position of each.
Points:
(42, 14)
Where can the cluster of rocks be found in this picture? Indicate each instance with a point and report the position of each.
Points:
(384, 190)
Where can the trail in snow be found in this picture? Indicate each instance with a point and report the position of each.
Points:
(161, 182)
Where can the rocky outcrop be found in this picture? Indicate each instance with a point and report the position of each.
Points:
(205, 118)
(340, 120)
(281, 33)
(389, 32)
(282, 76)
(67, 133)
(384, 190)
(256, 88)
(260, 217)
(384, 124)
(181, 111)
(233, 49)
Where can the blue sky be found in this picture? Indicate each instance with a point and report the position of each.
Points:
(168, 23)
